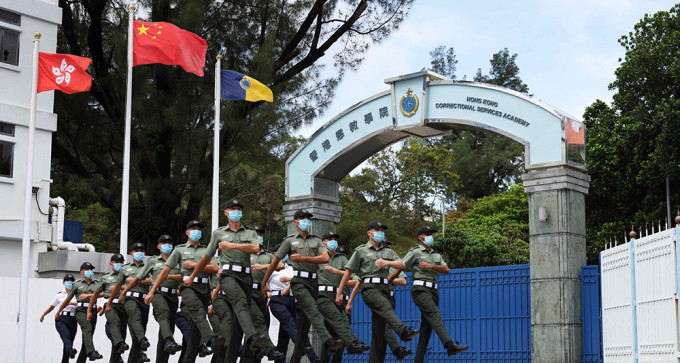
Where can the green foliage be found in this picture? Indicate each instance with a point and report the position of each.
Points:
(504, 72)
(495, 232)
(443, 61)
(97, 227)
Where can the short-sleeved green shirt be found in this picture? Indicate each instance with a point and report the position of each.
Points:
(82, 287)
(262, 258)
(337, 260)
(107, 280)
(401, 275)
(311, 246)
(153, 268)
(232, 257)
(187, 252)
(131, 270)
(420, 254)
(363, 260)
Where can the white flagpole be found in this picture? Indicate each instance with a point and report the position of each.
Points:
(126, 149)
(216, 152)
(28, 193)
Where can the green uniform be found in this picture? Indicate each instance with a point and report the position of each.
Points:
(376, 294)
(86, 327)
(258, 309)
(195, 298)
(117, 317)
(236, 280)
(305, 289)
(336, 320)
(137, 310)
(165, 302)
(392, 341)
(220, 321)
(425, 295)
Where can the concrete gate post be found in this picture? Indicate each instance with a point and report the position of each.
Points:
(557, 240)
(323, 204)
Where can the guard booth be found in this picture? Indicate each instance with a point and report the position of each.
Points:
(426, 104)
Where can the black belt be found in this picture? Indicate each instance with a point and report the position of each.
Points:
(168, 290)
(375, 280)
(305, 274)
(67, 313)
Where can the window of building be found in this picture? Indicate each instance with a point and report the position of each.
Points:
(10, 17)
(6, 129)
(9, 46)
(6, 158)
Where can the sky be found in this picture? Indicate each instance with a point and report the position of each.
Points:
(567, 50)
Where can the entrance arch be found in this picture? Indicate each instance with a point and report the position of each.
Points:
(426, 104)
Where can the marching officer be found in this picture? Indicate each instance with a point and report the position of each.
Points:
(196, 295)
(236, 243)
(133, 301)
(116, 317)
(426, 265)
(336, 320)
(165, 303)
(306, 252)
(66, 325)
(372, 262)
(83, 291)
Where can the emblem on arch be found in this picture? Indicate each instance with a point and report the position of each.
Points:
(409, 104)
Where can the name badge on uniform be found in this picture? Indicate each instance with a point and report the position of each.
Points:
(295, 243)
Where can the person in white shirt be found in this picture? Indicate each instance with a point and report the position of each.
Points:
(66, 325)
(285, 309)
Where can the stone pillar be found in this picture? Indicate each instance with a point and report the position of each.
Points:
(557, 241)
(322, 204)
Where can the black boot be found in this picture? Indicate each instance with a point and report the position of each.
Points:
(144, 343)
(333, 345)
(216, 341)
(122, 347)
(171, 346)
(357, 347)
(94, 355)
(203, 351)
(274, 354)
(409, 333)
(256, 341)
(143, 357)
(74, 351)
(454, 348)
(401, 353)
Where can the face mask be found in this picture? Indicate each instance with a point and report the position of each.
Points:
(378, 236)
(138, 256)
(285, 258)
(304, 224)
(88, 274)
(428, 241)
(68, 284)
(166, 248)
(117, 266)
(235, 215)
(332, 245)
(261, 239)
(195, 234)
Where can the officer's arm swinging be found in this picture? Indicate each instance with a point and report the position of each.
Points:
(267, 275)
(159, 280)
(355, 291)
(442, 269)
(61, 307)
(200, 266)
(343, 283)
(319, 260)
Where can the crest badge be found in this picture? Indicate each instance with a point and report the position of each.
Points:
(409, 104)
(245, 82)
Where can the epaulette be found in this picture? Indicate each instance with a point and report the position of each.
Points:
(291, 235)
(249, 227)
(413, 248)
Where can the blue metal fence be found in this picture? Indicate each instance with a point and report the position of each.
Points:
(591, 314)
(486, 308)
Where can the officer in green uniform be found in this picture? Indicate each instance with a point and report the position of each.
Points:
(83, 290)
(220, 317)
(116, 317)
(195, 296)
(166, 301)
(426, 265)
(372, 262)
(398, 350)
(306, 252)
(336, 320)
(137, 311)
(235, 243)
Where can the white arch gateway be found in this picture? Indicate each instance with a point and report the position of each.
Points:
(426, 104)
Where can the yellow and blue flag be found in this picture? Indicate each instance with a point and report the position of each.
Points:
(237, 86)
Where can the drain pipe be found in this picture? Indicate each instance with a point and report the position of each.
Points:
(58, 242)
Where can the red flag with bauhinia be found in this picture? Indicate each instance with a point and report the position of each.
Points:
(157, 42)
(63, 72)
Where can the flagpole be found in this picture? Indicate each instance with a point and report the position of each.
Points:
(28, 193)
(216, 152)
(126, 149)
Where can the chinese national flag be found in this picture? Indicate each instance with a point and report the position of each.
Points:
(156, 42)
(63, 72)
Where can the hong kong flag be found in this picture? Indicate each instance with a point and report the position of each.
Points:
(63, 72)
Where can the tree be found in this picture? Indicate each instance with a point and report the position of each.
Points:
(504, 72)
(443, 61)
(284, 44)
(633, 143)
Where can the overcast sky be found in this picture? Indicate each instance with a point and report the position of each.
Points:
(567, 50)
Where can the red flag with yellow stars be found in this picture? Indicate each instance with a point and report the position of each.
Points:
(157, 42)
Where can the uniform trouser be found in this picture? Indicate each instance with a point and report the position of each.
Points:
(116, 324)
(224, 327)
(306, 291)
(336, 321)
(66, 326)
(195, 300)
(183, 326)
(260, 314)
(377, 298)
(86, 331)
(391, 340)
(138, 317)
(236, 287)
(165, 313)
(427, 300)
(285, 310)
